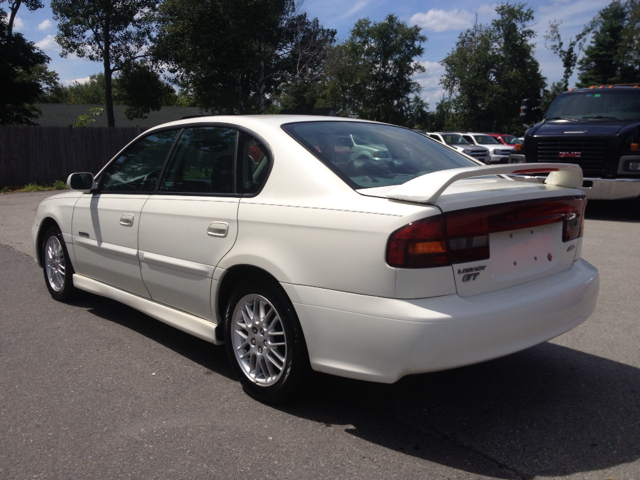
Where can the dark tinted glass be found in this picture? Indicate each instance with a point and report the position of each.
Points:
(202, 162)
(614, 104)
(373, 155)
(138, 168)
(255, 163)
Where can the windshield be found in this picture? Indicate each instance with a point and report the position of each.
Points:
(453, 139)
(381, 155)
(486, 140)
(510, 139)
(596, 104)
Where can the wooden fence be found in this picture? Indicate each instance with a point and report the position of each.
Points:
(43, 155)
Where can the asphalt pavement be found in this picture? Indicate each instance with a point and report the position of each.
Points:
(94, 389)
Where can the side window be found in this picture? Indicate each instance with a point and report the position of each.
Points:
(202, 162)
(254, 159)
(138, 168)
(469, 139)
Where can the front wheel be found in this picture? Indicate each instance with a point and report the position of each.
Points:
(264, 342)
(58, 271)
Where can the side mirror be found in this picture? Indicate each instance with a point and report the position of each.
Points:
(83, 182)
(525, 111)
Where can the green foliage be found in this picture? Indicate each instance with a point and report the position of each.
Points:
(14, 6)
(33, 187)
(370, 75)
(613, 54)
(20, 61)
(85, 120)
(142, 90)
(113, 33)
(568, 56)
(492, 69)
(230, 56)
(600, 64)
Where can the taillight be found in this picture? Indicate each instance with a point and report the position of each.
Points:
(463, 236)
(418, 245)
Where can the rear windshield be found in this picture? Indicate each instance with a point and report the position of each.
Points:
(511, 140)
(621, 104)
(454, 139)
(369, 155)
(486, 140)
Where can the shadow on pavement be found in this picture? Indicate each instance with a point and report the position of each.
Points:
(193, 348)
(548, 411)
(617, 210)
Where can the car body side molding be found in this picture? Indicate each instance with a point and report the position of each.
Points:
(191, 324)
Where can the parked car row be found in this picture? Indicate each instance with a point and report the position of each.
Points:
(486, 147)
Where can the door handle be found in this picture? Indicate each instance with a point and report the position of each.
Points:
(126, 220)
(218, 229)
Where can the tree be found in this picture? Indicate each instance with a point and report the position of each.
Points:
(231, 55)
(115, 33)
(491, 69)
(370, 75)
(19, 87)
(568, 56)
(629, 53)
(14, 6)
(601, 64)
(141, 89)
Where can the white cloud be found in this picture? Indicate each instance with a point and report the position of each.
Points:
(45, 25)
(487, 9)
(440, 21)
(77, 80)
(48, 43)
(18, 24)
(432, 91)
(353, 10)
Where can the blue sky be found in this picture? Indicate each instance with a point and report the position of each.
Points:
(441, 21)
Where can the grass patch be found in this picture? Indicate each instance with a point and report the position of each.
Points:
(34, 187)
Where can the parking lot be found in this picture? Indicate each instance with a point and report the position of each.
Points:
(94, 389)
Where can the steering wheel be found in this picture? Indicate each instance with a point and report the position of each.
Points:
(149, 180)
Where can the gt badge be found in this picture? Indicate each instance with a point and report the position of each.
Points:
(471, 273)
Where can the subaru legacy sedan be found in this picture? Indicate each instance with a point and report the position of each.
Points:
(274, 237)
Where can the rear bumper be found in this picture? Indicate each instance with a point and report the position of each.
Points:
(500, 159)
(618, 189)
(382, 339)
(597, 188)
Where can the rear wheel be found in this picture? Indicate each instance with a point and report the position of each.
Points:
(264, 342)
(57, 268)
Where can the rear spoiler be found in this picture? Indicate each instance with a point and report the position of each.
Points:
(428, 188)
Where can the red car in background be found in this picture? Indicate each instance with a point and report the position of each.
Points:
(505, 139)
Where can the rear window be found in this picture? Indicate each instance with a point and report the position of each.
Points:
(486, 140)
(369, 155)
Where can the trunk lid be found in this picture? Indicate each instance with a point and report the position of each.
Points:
(501, 232)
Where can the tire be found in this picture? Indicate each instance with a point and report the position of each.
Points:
(56, 265)
(264, 342)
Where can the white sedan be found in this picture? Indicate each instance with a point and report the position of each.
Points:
(269, 235)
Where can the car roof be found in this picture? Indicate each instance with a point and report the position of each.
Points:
(254, 120)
